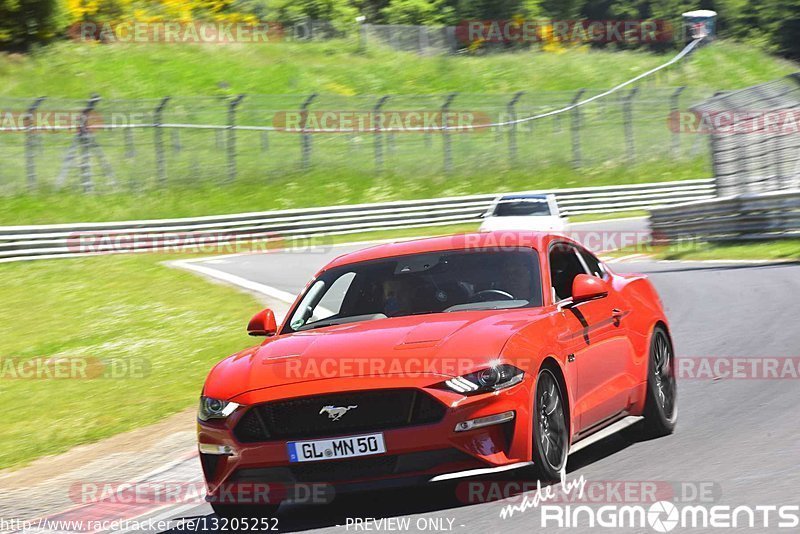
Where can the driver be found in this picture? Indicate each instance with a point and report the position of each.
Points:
(515, 278)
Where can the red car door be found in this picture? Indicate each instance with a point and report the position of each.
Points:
(595, 337)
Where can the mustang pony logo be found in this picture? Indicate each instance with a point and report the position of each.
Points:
(336, 412)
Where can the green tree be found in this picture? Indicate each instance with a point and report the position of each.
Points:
(26, 22)
(417, 12)
(340, 12)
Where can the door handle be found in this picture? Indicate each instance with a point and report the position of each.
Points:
(617, 315)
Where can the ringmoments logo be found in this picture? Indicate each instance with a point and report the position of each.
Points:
(665, 516)
(693, 505)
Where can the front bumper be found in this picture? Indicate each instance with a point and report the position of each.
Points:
(414, 455)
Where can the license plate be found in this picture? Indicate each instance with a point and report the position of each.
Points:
(332, 449)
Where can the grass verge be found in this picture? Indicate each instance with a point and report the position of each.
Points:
(318, 188)
(164, 329)
(335, 67)
(172, 326)
(783, 249)
(590, 217)
(787, 249)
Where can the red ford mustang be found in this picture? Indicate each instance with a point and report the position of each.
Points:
(436, 359)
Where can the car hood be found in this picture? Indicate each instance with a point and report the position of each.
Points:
(445, 344)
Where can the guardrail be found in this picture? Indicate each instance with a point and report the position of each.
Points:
(774, 215)
(21, 242)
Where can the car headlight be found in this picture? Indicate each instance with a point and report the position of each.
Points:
(215, 408)
(486, 380)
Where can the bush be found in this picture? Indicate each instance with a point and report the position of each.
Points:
(24, 23)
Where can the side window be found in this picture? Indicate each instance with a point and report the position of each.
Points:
(565, 265)
(594, 265)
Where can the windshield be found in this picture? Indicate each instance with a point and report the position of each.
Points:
(522, 206)
(419, 284)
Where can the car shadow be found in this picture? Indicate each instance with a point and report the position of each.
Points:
(428, 499)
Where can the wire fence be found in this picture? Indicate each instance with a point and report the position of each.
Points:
(110, 144)
(424, 40)
(753, 134)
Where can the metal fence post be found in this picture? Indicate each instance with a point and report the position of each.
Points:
(305, 139)
(512, 132)
(576, 129)
(674, 110)
(774, 142)
(176, 140)
(362, 37)
(30, 142)
(448, 153)
(713, 146)
(377, 132)
(161, 170)
(424, 40)
(264, 141)
(232, 137)
(627, 113)
(85, 144)
(130, 148)
(742, 167)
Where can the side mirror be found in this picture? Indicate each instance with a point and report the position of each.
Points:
(586, 287)
(263, 324)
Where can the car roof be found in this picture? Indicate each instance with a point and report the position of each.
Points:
(524, 196)
(469, 241)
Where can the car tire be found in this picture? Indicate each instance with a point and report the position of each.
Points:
(550, 427)
(661, 408)
(231, 511)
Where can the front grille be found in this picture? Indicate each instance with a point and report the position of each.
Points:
(301, 418)
(357, 468)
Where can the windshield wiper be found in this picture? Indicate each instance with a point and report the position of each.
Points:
(341, 320)
(312, 326)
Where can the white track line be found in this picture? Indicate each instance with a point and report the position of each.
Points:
(625, 258)
(732, 262)
(602, 434)
(232, 279)
(600, 221)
